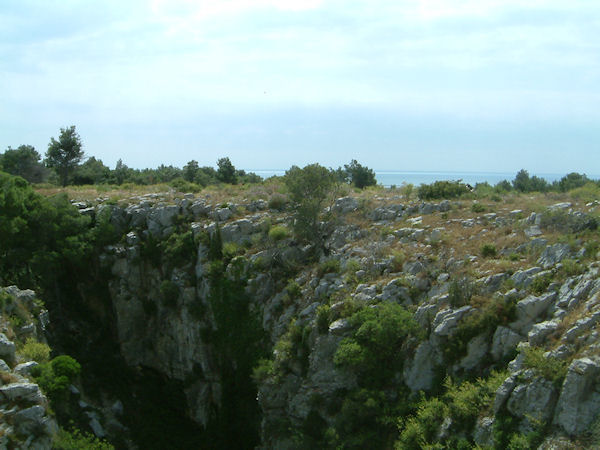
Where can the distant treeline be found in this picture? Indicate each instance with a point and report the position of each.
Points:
(64, 165)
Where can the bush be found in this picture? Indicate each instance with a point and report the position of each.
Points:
(550, 368)
(55, 376)
(540, 283)
(477, 208)
(35, 351)
(460, 292)
(373, 351)
(278, 202)
(488, 250)
(442, 189)
(169, 292)
(328, 266)
(76, 440)
(278, 233)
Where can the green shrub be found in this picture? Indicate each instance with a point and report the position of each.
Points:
(169, 292)
(55, 376)
(278, 202)
(373, 350)
(293, 289)
(460, 292)
(550, 368)
(540, 283)
(488, 250)
(322, 319)
(35, 351)
(278, 233)
(76, 440)
(328, 266)
(477, 208)
(570, 267)
(442, 189)
(263, 370)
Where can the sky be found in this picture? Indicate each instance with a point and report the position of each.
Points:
(414, 85)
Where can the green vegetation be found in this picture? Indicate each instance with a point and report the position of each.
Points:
(550, 368)
(488, 251)
(35, 351)
(442, 189)
(357, 175)
(76, 440)
(65, 154)
(309, 189)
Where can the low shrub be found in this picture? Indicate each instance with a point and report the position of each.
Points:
(35, 351)
(328, 266)
(477, 208)
(550, 368)
(488, 250)
(76, 440)
(278, 201)
(442, 189)
(278, 233)
(169, 292)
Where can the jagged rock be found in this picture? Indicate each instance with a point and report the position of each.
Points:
(477, 348)
(345, 205)
(492, 283)
(25, 368)
(533, 401)
(579, 401)
(419, 373)
(553, 254)
(32, 421)
(582, 325)
(540, 331)
(425, 314)
(533, 231)
(445, 321)
(396, 292)
(339, 327)
(529, 310)
(222, 214)
(23, 392)
(484, 432)
(3, 366)
(523, 278)
(503, 392)
(7, 348)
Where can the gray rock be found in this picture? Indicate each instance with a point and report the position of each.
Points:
(503, 392)
(345, 205)
(419, 373)
(540, 332)
(533, 401)
(492, 283)
(504, 342)
(530, 310)
(523, 278)
(579, 401)
(477, 348)
(553, 254)
(3, 366)
(484, 432)
(29, 421)
(445, 321)
(23, 392)
(533, 231)
(24, 369)
(339, 327)
(7, 349)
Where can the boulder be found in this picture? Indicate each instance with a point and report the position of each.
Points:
(553, 254)
(530, 310)
(446, 321)
(345, 205)
(7, 349)
(540, 332)
(419, 373)
(579, 401)
(504, 342)
(23, 392)
(532, 401)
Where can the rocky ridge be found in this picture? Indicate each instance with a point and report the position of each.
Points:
(479, 309)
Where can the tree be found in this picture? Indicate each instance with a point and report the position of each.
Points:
(359, 175)
(226, 171)
(309, 188)
(121, 171)
(190, 170)
(93, 171)
(65, 154)
(24, 162)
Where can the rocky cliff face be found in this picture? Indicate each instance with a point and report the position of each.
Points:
(509, 295)
(25, 419)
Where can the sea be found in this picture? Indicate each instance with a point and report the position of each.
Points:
(389, 178)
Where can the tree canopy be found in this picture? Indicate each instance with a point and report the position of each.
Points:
(24, 161)
(65, 153)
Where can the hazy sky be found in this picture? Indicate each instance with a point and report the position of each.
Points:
(473, 85)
